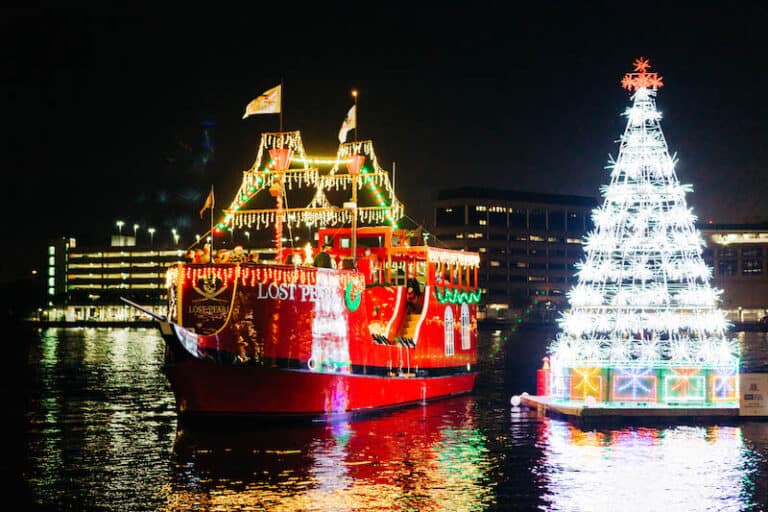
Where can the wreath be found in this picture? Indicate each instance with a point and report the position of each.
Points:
(352, 303)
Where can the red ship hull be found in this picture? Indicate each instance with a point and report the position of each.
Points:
(204, 389)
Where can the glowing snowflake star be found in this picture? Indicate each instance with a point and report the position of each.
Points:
(641, 65)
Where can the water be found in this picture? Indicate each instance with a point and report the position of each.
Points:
(100, 433)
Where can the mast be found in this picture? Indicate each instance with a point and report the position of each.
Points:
(354, 194)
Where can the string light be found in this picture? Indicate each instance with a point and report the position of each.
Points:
(319, 211)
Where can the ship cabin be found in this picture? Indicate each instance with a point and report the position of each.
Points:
(391, 257)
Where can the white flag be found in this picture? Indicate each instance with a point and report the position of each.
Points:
(208, 203)
(267, 103)
(350, 123)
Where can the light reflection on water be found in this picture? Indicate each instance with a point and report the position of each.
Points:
(102, 435)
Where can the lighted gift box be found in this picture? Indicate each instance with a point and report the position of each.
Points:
(586, 382)
(634, 384)
(723, 386)
(684, 385)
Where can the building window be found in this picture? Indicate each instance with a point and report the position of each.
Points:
(575, 222)
(51, 250)
(726, 267)
(752, 266)
(537, 219)
(537, 238)
(448, 319)
(752, 252)
(726, 252)
(477, 214)
(497, 218)
(557, 220)
(453, 216)
(518, 218)
(539, 279)
(465, 328)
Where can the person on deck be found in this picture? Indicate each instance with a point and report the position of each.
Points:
(238, 255)
(367, 266)
(222, 256)
(206, 254)
(323, 258)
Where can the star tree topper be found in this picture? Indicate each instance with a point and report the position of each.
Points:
(641, 79)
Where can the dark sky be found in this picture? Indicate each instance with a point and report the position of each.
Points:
(105, 111)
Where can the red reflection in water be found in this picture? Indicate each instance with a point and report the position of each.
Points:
(419, 458)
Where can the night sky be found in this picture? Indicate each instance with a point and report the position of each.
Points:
(133, 115)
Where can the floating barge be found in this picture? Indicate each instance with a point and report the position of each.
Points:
(582, 411)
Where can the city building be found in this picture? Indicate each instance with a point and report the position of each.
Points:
(737, 255)
(86, 283)
(529, 244)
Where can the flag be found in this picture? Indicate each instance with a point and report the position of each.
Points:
(208, 203)
(350, 123)
(267, 103)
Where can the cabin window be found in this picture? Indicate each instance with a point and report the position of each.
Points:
(465, 341)
(448, 317)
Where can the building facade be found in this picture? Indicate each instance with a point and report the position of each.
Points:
(737, 254)
(529, 244)
(86, 284)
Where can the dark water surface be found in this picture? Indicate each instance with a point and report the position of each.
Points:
(100, 433)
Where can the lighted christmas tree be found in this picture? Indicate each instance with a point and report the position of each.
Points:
(644, 325)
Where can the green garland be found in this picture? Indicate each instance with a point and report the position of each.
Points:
(455, 296)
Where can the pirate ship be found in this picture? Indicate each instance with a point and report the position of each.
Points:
(392, 323)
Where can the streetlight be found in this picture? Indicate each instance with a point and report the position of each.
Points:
(247, 235)
(120, 227)
(175, 236)
(151, 235)
(135, 228)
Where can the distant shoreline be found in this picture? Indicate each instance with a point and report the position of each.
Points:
(482, 324)
(92, 323)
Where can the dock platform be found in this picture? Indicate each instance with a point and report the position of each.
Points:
(581, 411)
